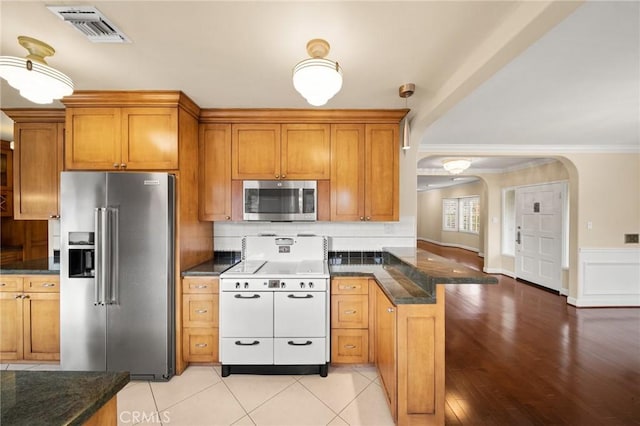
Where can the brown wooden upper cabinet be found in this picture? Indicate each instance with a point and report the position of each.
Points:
(37, 162)
(142, 138)
(364, 172)
(215, 172)
(281, 151)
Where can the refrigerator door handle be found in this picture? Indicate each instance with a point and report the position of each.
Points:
(99, 263)
(114, 220)
(105, 275)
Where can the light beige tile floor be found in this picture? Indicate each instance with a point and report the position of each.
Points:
(349, 395)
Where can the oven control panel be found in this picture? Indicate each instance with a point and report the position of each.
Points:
(269, 284)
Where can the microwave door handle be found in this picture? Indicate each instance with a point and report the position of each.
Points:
(300, 200)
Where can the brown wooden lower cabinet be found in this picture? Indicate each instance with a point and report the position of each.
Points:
(29, 317)
(200, 319)
(386, 344)
(406, 343)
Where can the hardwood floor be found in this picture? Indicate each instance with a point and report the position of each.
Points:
(519, 355)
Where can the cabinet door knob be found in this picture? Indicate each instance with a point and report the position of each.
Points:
(361, 217)
(3, 284)
(48, 285)
(18, 296)
(368, 217)
(390, 309)
(201, 345)
(123, 165)
(54, 216)
(228, 217)
(26, 296)
(350, 312)
(349, 346)
(201, 311)
(277, 176)
(116, 165)
(284, 176)
(202, 286)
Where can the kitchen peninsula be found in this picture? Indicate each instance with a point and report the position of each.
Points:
(387, 308)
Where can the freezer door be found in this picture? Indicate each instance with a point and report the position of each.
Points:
(140, 295)
(82, 317)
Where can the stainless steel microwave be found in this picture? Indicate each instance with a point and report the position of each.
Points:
(280, 201)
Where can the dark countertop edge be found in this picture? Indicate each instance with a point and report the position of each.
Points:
(29, 272)
(122, 379)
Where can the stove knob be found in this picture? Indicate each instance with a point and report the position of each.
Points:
(283, 285)
(237, 285)
(246, 285)
(310, 285)
(301, 284)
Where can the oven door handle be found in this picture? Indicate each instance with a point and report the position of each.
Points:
(292, 343)
(239, 343)
(307, 296)
(239, 296)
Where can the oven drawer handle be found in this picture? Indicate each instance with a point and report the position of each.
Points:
(292, 343)
(306, 296)
(239, 343)
(239, 296)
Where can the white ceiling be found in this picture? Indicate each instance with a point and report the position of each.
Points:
(240, 54)
(576, 88)
(498, 76)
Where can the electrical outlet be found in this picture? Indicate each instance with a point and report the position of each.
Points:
(631, 239)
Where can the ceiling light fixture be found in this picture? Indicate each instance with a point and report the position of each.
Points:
(317, 79)
(35, 80)
(405, 91)
(455, 167)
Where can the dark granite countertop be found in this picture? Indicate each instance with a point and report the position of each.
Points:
(409, 275)
(44, 266)
(209, 268)
(55, 397)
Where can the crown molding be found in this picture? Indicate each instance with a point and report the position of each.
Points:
(286, 115)
(35, 115)
(470, 149)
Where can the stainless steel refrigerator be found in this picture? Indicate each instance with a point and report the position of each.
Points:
(117, 273)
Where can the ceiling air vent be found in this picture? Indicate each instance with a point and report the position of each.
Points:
(90, 22)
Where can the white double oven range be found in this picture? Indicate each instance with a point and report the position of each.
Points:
(274, 307)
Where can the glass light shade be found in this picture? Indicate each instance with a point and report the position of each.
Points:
(456, 167)
(317, 80)
(41, 84)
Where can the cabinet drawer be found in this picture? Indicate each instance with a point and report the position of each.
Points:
(10, 283)
(200, 285)
(350, 286)
(42, 284)
(200, 344)
(350, 311)
(297, 351)
(350, 346)
(246, 350)
(200, 310)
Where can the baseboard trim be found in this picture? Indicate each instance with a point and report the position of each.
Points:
(460, 246)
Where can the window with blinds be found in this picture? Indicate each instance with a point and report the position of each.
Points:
(450, 214)
(461, 214)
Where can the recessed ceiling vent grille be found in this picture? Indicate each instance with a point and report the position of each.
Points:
(90, 22)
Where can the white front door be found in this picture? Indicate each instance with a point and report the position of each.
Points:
(539, 212)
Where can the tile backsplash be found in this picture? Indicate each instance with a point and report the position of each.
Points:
(344, 236)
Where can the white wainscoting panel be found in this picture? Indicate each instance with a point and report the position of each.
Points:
(608, 277)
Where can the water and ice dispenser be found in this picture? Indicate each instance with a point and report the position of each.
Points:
(81, 255)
